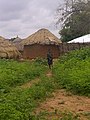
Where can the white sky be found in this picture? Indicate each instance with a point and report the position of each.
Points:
(24, 17)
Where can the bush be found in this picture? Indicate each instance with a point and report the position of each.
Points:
(81, 54)
(13, 73)
(41, 61)
(72, 71)
(17, 103)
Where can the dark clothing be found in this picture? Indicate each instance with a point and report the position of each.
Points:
(49, 59)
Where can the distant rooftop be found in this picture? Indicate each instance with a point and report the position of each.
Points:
(82, 39)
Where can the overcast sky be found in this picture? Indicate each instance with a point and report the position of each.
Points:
(24, 17)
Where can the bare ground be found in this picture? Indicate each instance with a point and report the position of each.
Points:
(30, 83)
(35, 81)
(65, 101)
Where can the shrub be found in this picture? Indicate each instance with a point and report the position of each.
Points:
(41, 61)
(72, 71)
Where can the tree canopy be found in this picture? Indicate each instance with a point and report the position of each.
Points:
(75, 19)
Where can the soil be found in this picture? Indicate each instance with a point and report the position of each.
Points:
(30, 83)
(66, 101)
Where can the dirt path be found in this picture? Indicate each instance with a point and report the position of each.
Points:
(35, 81)
(49, 73)
(65, 101)
(30, 83)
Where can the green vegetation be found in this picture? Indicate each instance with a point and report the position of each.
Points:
(72, 71)
(20, 103)
(13, 73)
(17, 103)
(74, 15)
(55, 115)
(41, 61)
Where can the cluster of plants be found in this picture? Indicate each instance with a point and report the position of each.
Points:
(81, 54)
(41, 61)
(13, 73)
(17, 103)
(55, 115)
(72, 71)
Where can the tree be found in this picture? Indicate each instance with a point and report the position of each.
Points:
(75, 19)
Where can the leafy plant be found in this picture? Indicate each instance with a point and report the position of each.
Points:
(72, 71)
(41, 61)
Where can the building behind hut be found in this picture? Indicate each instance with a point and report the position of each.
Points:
(82, 39)
(38, 44)
(17, 43)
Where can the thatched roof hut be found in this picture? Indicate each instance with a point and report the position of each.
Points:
(7, 50)
(39, 43)
(42, 36)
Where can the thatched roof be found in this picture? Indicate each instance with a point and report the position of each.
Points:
(7, 50)
(17, 40)
(42, 36)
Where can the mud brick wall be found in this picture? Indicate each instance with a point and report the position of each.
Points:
(66, 47)
(37, 50)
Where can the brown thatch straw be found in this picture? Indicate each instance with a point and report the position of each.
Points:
(42, 36)
(7, 50)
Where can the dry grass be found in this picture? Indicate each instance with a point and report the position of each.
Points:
(7, 50)
(42, 36)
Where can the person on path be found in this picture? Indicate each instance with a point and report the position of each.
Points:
(49, 59)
